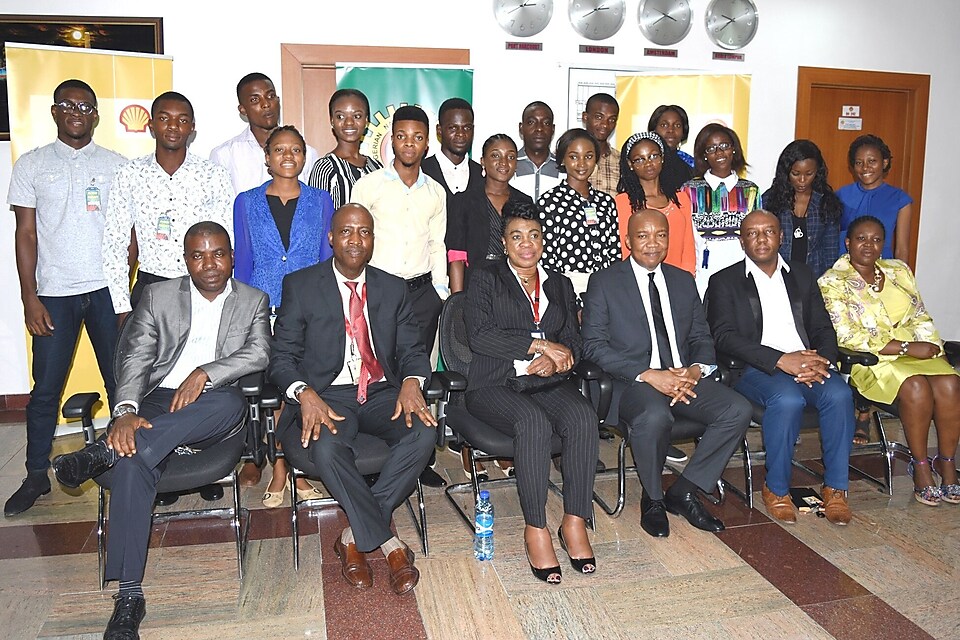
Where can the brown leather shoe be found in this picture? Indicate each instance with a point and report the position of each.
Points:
(353, 565)
(835, 506)
(403, 575)
(779, 507)
(250, 475)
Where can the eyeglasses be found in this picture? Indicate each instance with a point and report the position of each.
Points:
(83, 108)
(653, 157)
(723, 146)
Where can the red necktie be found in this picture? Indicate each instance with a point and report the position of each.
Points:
(370, 370)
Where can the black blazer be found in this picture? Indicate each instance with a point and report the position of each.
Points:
(616, 335)
(499, 321)
(468, 225)
(736, 319)
(309, 336)
(431, 167)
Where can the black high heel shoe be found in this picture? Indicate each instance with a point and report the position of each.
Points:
(550, 575)
(583, 565)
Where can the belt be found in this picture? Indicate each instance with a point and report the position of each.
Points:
(415, 283)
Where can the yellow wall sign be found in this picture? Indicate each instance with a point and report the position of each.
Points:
(125, 83)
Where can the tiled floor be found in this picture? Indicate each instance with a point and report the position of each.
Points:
(891, 574)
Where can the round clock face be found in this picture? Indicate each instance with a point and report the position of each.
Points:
(664, 22)
(731, 24)
(523, 18)
(597, 19)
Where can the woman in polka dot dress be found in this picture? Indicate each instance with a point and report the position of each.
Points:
(579, 223)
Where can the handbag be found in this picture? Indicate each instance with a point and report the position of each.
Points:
(531, 383)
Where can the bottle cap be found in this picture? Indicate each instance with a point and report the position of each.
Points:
(484, 495)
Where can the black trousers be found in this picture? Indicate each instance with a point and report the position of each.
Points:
(426, 305)
(532, 419)
(369, 509)
(650, 418)
(134, 483)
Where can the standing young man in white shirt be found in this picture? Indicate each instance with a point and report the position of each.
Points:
(58, 193)
(242, 155)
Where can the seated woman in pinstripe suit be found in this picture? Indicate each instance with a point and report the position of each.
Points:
(523, 332)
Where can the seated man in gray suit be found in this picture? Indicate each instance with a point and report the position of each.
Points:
(347, 351)
(180, 353)
(644, 324)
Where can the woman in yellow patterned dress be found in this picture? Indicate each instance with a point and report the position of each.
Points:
(875, 306)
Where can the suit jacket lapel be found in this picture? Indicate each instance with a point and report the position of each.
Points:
(226, 317)
(632, 292)
(796, 305)
(511, 284)
(753, 299)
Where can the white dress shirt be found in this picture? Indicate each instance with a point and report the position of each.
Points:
(643, 282)
(779, 326)
(201, 346)
(243, 158)
(457, 176)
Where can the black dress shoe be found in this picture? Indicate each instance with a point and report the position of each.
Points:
(165, 499)
(431, 478)
(36, 484)
(211, 492)
(128, 612)
(600, 466)
(653, 517)
(689, 506)
(73, 469)
(675, 455)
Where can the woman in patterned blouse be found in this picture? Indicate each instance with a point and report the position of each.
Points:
(340, 169)
(579, 223)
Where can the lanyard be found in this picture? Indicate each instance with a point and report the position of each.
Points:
(535, 299)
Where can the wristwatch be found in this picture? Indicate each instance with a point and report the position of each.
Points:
(298, 390)
(123, 409)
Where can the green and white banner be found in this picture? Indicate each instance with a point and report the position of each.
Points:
(390, 87)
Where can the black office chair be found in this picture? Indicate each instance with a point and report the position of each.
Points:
(481, 441)
(185, 470)
(371, 454)
(810, 421)
(684, 429)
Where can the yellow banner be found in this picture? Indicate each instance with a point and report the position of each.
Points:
(126, 84)
(706, 98)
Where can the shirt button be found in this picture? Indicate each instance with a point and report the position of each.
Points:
(283, 258)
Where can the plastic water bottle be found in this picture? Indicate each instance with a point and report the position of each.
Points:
(483, 539)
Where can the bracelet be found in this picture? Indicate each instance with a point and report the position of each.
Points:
(903, 348)
(539, 347)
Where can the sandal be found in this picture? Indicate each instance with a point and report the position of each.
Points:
(948, 492)
(861, 430)
(929, 496)
(482, 475)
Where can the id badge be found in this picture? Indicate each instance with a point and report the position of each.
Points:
(92, 198)
(163, 227)
(353, 366)
(591, 214)
(538, 335)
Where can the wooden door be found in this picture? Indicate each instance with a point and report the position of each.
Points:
(309, 76)
(891, 105)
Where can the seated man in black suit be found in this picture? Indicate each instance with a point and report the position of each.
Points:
(180, 352)
(644, 324)
(770, 314)
(348, 353)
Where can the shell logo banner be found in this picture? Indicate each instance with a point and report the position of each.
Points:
(126, 84)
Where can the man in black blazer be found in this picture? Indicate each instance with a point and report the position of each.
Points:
(347, 353)
(770, 315)
(644, 324)
(452, 166)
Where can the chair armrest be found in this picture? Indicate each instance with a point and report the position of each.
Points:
(725, 365)
(951, 348)
(443, 382)
(251, 384)
(270, 396)
(848, 357)
(80, 405)
(588, 370)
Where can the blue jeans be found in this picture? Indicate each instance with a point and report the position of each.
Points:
(52, 356)
(784, 401)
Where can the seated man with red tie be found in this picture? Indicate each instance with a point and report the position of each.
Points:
(347, 351)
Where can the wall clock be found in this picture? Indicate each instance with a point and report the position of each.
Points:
(664, 22)
(523, 18)
(597, 19)
(731, 24)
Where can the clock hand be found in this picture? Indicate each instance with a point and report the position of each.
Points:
(664, 15)
(730, 21)
(602, 7)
